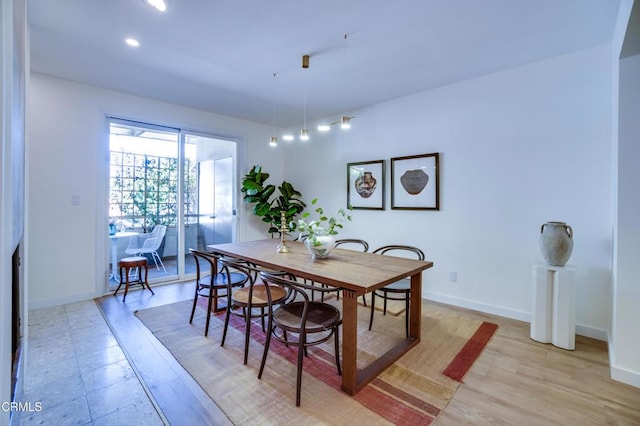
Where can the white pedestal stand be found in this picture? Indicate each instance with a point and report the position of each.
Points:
(553, 317)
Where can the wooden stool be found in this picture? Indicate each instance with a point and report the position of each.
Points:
(128, 263)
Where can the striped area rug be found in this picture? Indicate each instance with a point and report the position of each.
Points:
(413, 391)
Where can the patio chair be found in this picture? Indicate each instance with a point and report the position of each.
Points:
(150, 245)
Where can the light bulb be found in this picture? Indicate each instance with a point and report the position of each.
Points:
(304, 134)
(161, 5)
(273, 141)
(346, 122)
(132, 42)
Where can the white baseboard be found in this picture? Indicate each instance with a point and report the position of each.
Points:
(621, 374)
(594, 333)
(625, 376)
(582, 330)
(481, 307)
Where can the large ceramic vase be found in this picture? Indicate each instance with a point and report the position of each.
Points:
(365, 185)
(320, 245)
(556, 243)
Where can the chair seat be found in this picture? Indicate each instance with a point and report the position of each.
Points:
(237, 278)
(259, 296)
(321, 316)
(132, 261)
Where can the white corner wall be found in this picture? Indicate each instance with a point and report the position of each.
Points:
(517, 148)
(67, 155)
(6, 201)
(625, 340)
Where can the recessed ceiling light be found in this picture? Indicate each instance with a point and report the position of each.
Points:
(161, 5)
(324, 127)
(132, 42)
(287, 137)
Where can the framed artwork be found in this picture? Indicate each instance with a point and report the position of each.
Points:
(365, 185)
(415, 184)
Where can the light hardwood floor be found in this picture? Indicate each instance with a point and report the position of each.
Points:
(515, 381)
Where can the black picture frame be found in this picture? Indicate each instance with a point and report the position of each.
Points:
(366, 185)
(415, 182)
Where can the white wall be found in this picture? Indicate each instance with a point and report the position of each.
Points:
(517, 148)
(13, 66)
(67, 156)
(625, 343)
(6, 243)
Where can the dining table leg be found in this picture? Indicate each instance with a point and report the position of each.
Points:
(349, 342)
(415, 306)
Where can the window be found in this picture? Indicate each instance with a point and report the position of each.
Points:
(143, 190)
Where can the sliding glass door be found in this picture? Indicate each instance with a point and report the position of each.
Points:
(172, 186)
(209, 166)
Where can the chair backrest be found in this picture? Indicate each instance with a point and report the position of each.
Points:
(249, 269)
(364, 246)
(399, 250)
(298, 291)
(208, 259)
(155, 236)
(252, 271)
(159, 232)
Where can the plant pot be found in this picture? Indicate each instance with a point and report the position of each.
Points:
(320, 245)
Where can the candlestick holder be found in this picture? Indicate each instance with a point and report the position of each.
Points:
(282, 247)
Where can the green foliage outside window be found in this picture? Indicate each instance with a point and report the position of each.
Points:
(144, 188)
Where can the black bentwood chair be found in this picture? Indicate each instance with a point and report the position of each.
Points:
(360, 244)
(303, 317)
(211, 284)
(400, 290)
(249, 301)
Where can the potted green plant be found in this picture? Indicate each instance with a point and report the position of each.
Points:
(268, 204)
(320, 231)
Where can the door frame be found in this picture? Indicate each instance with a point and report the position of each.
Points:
(103, 248)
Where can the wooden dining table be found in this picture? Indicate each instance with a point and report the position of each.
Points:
(356, 273)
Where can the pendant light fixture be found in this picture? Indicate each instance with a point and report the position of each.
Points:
(273, 140)
(345, 122)
(304, 133)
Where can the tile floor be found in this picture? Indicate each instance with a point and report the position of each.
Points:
(76, 370)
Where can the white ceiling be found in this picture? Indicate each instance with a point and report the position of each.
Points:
(220, 55)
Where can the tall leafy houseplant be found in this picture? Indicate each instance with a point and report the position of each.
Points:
(268, 204)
